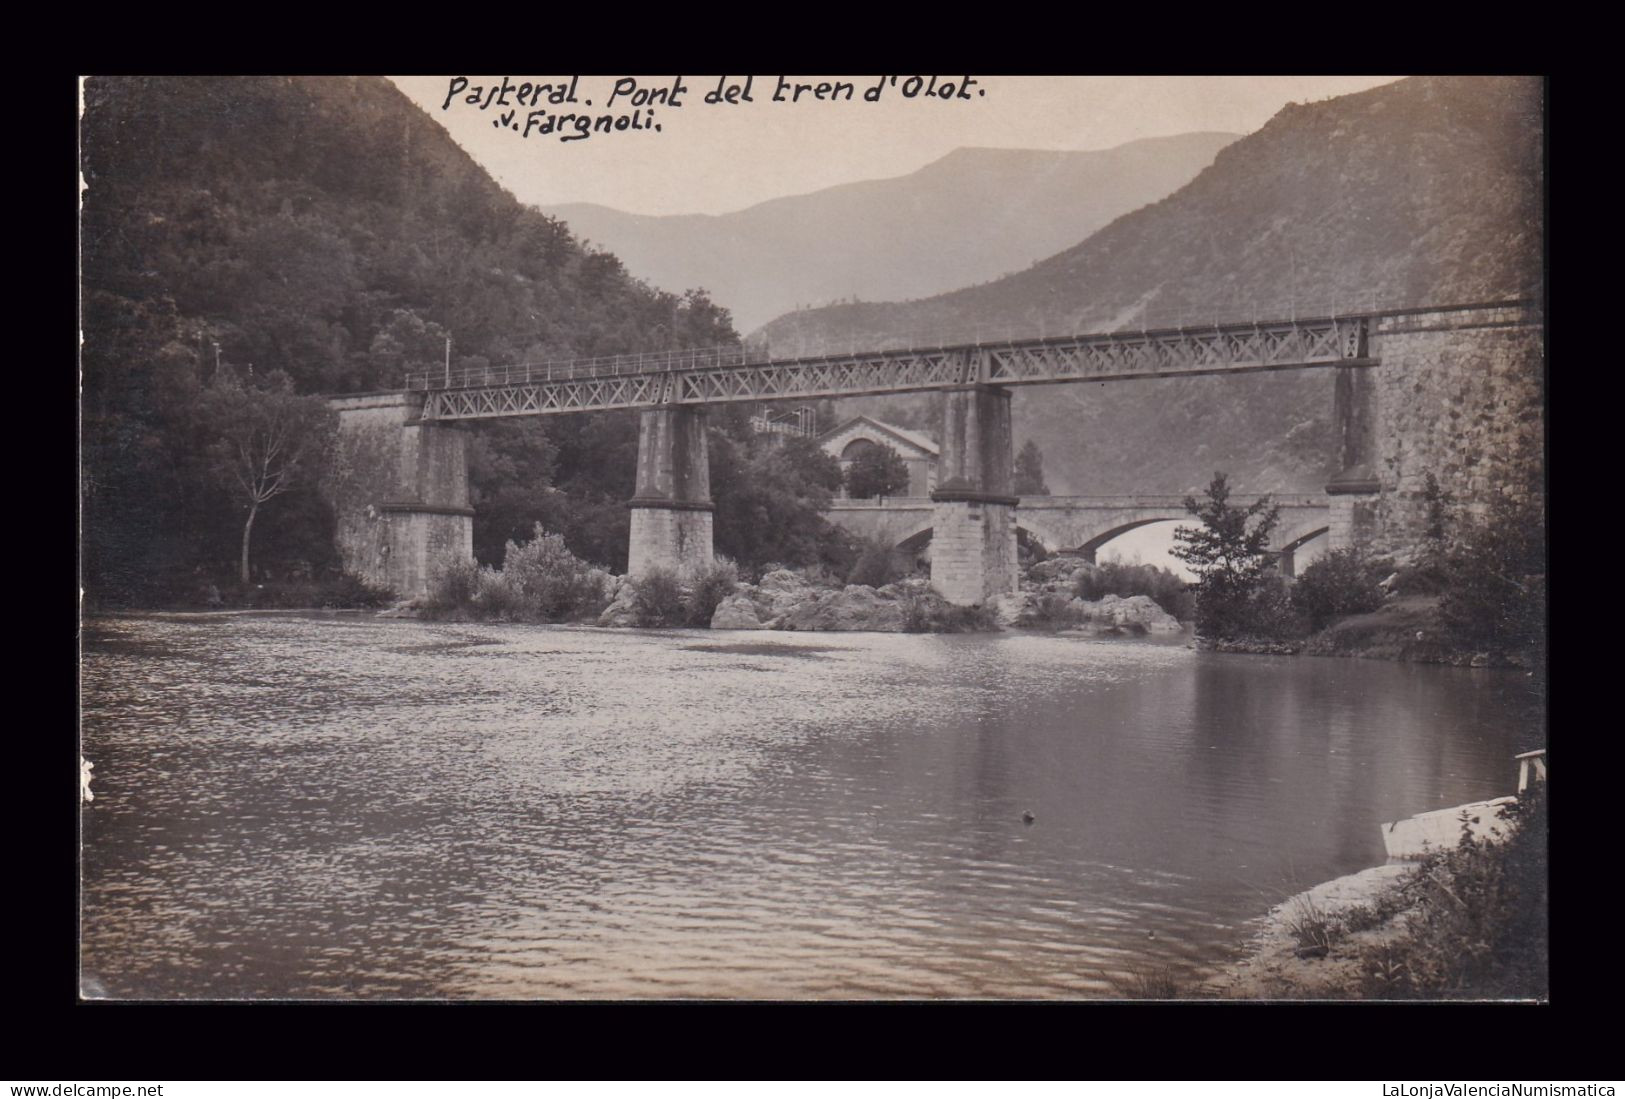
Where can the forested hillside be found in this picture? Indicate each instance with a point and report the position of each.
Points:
(327, 229)
(1425, 191)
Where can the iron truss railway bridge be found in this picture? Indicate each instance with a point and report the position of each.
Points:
(717, 375)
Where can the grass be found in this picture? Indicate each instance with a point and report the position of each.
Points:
(1477, 927)
(1148, 982)
(1309, 924)
(1469, 923)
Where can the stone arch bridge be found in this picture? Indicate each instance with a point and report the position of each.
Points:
(399, 479)
(1080, 524)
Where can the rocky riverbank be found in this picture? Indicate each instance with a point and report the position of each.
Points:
(1406, 627)
(1463, 922)
(788, 600)
(1280, 965)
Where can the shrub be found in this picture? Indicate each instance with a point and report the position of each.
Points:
(658, 599)
(1495, 582)
(550, 583)
(1264, 612)
(350, 590)
(453, 588)
(499, 599)
(928, 612)
(1116, 578)
(540, 581)
(1270, 614)
(879, 563)
(1054, 611)
(1155, 982)
(1341, 582)
(709, 587)
(1309, 924)
(1479, 925)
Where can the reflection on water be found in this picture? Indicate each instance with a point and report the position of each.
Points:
(347, 807)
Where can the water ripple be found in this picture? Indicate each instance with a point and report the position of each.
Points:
(348, 807)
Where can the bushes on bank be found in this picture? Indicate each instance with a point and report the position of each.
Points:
(338, 591)
(1478, 926)
(879, 563)
(924, 611)
(1054, 611)
(1164, 586)
(1341, 582)
(1495, 578)
(662, 597)
(709, 587)
(540, 581)
(658, 600)
(550, 583)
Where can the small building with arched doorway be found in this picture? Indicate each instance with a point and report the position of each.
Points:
(918, 451)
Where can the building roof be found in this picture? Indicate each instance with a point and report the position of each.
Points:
(902, 434)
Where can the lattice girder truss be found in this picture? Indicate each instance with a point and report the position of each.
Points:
(1220, 349)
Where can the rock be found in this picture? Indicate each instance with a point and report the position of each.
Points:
(621, 610)
(780, 592)
(1137, 613)
(1012, 608)
(1056, 569)
(855, 607)
(736, 612)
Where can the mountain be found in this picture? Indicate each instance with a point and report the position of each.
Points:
(973, 215)
(1425, 191)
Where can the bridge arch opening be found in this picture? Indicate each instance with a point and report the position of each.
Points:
(1030, 543)
(1146, 541)
(1303, 550)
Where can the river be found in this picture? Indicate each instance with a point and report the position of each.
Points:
(338, 806)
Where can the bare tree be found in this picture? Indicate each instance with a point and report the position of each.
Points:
(265, 439)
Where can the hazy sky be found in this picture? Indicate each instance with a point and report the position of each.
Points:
(716, 158)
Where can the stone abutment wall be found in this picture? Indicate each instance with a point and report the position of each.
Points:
(1460, 394)
(399, 490)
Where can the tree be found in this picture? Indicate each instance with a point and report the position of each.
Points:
(263, 438)
(770, 503)
(1495, 578)
(1230, 555)
(876, 471)
(1029, 477)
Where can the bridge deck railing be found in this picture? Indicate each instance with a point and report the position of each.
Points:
(1123, 501)
(576, 369)
(742, 355)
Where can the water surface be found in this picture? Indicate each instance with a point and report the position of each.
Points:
(342, 806)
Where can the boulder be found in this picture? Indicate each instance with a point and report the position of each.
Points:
(1137, 612)
(1056, 568)
(621, 610)
(736, 612)
(855, 607)
(1014, 608)
(781, 592)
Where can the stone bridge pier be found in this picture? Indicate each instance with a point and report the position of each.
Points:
(671, 507)
(973, 550)
(1355, 492)
(399, 490)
